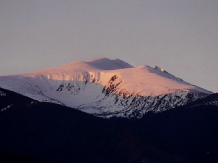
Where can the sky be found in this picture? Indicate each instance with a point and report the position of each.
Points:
(180, 36)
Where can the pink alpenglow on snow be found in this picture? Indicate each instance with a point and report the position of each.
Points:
(106, 87)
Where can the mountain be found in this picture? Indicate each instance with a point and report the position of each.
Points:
(32, 131)
(106, 88)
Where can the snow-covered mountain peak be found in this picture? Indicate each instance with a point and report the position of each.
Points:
(105, 87)
(108, 64)
(98, 64)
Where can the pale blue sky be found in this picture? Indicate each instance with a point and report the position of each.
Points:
(180, 36)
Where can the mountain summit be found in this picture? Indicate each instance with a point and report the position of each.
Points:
(106, 88)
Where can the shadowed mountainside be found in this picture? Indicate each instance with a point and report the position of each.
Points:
(40, 132)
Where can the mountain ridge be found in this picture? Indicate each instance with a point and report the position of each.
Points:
(106, 87)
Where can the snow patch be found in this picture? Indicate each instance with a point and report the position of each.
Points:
(2, 93)
(32, 103)
(7, 107)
